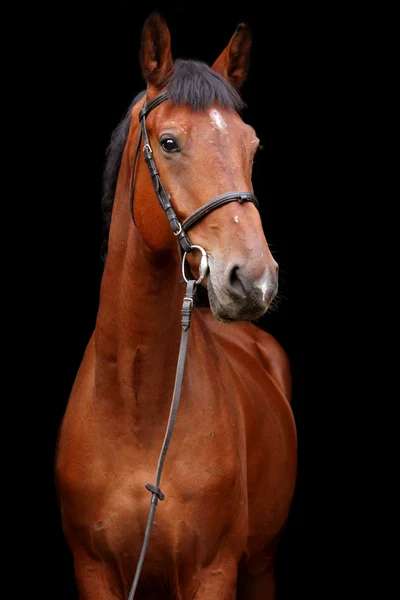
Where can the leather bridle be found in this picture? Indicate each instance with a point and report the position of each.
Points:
(180, 231)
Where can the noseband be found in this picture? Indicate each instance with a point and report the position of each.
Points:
(179, 229)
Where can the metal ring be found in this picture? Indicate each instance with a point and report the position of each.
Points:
(203, 270)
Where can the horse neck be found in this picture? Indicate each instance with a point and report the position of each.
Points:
(138, 324)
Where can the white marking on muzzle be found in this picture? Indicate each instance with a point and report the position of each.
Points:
(263, 284)
(263, 288)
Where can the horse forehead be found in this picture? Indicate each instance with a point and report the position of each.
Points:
(212, 121)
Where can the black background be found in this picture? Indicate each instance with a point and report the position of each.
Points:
(84, 71)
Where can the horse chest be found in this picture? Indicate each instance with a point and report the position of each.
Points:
(200, 503)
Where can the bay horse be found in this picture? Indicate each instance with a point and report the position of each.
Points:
(230, 472)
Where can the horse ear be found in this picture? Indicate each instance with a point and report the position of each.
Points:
(156, 58)
(233, 62)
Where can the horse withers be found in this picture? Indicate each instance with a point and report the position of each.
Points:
(230, 472)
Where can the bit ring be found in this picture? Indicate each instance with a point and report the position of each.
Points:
(203, 269)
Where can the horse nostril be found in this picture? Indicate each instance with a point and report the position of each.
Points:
(235, 284)
(232, 275)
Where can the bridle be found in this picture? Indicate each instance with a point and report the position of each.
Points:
(180, 231)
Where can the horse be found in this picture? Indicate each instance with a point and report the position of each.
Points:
(179, 205)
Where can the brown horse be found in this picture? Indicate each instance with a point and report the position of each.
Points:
(230, 471)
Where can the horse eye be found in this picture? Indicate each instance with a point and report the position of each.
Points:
(169, 145)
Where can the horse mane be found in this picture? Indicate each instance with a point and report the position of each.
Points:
(192, 83)
(114, 153)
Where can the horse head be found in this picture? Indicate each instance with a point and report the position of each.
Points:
(204, 150)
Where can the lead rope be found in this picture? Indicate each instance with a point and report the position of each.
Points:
(156, 493)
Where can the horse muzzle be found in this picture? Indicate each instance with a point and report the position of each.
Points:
(235, 294)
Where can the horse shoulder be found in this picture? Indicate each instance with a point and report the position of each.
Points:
(242, 339)
(274, 359)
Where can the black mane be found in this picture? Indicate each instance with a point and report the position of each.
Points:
(113, 162)
(193, 83)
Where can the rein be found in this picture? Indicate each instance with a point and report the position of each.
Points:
(180, 231)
